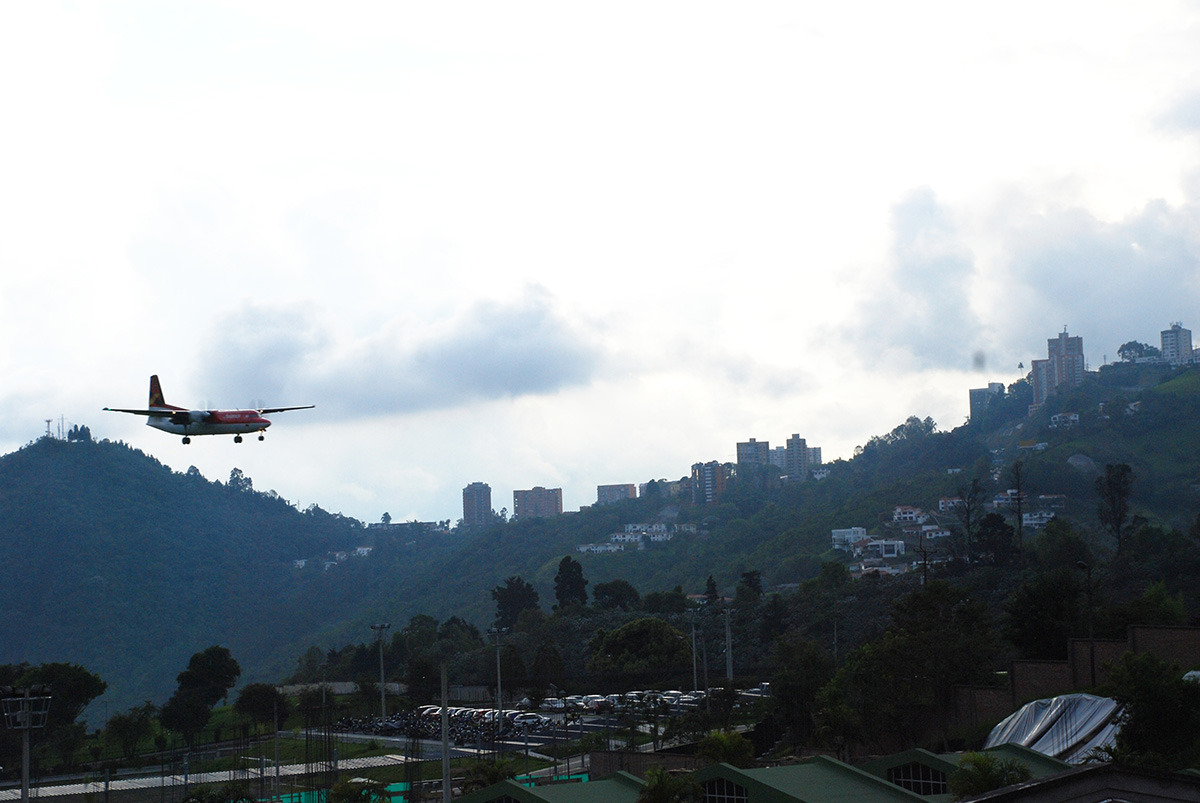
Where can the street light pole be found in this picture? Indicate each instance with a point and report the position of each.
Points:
(695, 678)
(1087, 568)
(379, 630)
(728, 647)
(499, 633)
(24, 710)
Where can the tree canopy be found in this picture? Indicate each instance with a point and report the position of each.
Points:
(514, 596)
(570, 587)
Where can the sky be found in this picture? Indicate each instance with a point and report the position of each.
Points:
(570, 244)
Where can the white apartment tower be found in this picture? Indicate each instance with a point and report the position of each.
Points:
(1177, 345)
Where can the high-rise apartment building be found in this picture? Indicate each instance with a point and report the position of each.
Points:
(980, 398)
(537, 503)
(1177, 345)
(708, 482)
(607, 494)
(796, 459)
(477, 504)
(1064, 366)
(754, 453)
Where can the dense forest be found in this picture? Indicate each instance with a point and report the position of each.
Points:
(126, 567)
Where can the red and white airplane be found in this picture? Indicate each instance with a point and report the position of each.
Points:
(187, 423)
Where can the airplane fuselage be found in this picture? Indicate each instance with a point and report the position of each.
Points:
(210, 422)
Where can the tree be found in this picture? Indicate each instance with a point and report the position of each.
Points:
(359, 791)
(1016, 473)
(262, 703)
(800, 668)
(669, 787)
(1133, 351)
(240, 482)
(1114, 488)
(482, 774)
(131, 729)
(978, 773)
(1043, 613)
(970, 512)
(616, 595)
(995, 537)
(71, 686)
(186, 714)
(570, 587)
(511, 598)
(1160, 718)
(548, 667)
(644, 648)
(726, 747)
(749, 589)
(673, 601)
(210, 674)
(711, 594)
(939, 638)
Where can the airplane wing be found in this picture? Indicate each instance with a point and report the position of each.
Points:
(151, 413)
(270, 410)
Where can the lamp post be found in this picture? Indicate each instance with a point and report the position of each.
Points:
(728, 647)
(1091, 631)
(24, 710)
(379, 629)
(499, 633)
(695, 678)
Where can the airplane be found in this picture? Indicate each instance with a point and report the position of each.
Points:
(187, 423)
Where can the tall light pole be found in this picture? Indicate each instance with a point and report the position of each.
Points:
(499, 633)
(695, 678)
(379, 629)
(1091, 630)
(728, 647)
(24, 710)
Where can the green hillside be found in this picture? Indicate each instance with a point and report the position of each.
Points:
(120, 564)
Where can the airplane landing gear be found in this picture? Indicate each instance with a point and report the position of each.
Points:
(262, 437)
(237, 438)
(186, 440)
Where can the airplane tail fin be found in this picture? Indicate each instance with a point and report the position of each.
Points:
(156, 394)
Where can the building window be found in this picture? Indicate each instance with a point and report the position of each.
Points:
(918, 778)
(720, 790)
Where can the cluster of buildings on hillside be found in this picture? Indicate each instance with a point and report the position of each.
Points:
(913, 528)
(636, 536)
(797, 462)
(1065, 366)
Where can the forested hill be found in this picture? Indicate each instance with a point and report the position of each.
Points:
(115, 562)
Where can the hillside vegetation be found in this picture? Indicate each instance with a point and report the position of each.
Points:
(124, 566)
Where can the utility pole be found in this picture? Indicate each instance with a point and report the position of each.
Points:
(1087, 567)
(445, 736)
(695, 677)
(379, 630)
(728, 646)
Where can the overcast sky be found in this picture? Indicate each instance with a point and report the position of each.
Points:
(568, 244)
